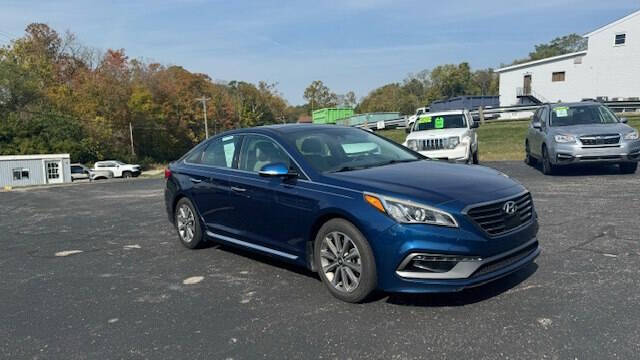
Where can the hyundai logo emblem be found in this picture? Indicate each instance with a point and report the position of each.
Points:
(510, 207)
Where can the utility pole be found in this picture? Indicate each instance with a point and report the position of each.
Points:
(133, 152)
(204, 100)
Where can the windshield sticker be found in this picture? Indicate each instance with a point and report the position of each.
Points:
(424, 120)
(439, 122)
(561, 111)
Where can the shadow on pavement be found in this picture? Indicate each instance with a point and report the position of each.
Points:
(584, 170)
(265, 259)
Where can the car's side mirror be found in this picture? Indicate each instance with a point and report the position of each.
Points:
(277, 170)
(475, 125)
(624, 120)
(537, 125)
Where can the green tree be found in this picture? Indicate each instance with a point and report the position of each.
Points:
(318, 96)
(558, 46)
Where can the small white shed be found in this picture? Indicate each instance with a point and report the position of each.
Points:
(23, 170)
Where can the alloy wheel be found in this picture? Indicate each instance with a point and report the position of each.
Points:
(186, 223)
(341, 262)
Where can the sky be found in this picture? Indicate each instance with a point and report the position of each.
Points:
(351, 45)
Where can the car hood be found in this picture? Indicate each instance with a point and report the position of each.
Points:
(432, 182)
(441, 133)
(595, 129)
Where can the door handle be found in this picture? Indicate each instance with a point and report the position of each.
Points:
(238, 189)
(195, 181)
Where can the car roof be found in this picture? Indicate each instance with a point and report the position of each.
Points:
(283, 128)
(574, 104)
(448, 112)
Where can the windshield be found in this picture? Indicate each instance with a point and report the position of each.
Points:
(436, 122)
(118, 162)
(581, 115)
(345, 149)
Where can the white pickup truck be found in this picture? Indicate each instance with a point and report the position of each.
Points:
(118, 168)
(448, 135)
(412, 119)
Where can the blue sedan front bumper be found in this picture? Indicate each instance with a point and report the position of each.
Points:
(482, 259)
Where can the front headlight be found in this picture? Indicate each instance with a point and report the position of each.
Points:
(632, 135)
(565, 139)
(452, 142)
(408, 212)
(412, 144)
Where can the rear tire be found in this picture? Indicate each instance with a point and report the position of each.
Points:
(345, 261)
(187, 224)
(547, 167)
(628, 168)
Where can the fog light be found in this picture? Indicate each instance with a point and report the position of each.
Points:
(436, 263)
(432, 266)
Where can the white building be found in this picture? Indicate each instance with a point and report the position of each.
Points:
(23, 170)
(609, 68)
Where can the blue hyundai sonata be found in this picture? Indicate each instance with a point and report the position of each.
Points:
(360, 210)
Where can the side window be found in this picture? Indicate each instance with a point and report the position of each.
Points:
(259, 151)
(76, 170)
(536, 116)
(220, 152)
(544, 117)
(196, 156)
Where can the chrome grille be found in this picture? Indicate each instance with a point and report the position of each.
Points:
(495, 221)
(432, 144)
(600, 140)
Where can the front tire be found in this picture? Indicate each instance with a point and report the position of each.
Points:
(547, 167)
(187, 224)
(345, 261)
(126, 174)
(475, 158)
(628, 168)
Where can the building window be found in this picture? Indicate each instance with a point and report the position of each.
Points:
(621, 39)
(20, 174)
(557, 76)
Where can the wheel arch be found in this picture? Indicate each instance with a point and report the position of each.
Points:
(321, 219)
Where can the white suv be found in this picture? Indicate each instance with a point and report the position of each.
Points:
(118, 168)
(448, 135)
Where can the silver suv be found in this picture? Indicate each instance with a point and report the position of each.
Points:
(585, 133)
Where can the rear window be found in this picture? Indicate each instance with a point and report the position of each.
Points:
(429, 122)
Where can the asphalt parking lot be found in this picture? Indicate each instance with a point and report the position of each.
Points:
(95, 271)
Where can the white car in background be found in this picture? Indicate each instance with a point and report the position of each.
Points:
(448, 135)
(81, 172)
(412, 119)
(118, 168)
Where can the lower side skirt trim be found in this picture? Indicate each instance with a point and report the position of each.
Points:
(251, 245)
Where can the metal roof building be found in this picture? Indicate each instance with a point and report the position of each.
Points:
(24, 170)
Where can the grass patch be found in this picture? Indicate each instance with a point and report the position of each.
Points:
(502, 140)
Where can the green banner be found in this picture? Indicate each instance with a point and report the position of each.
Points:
(424, 120)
